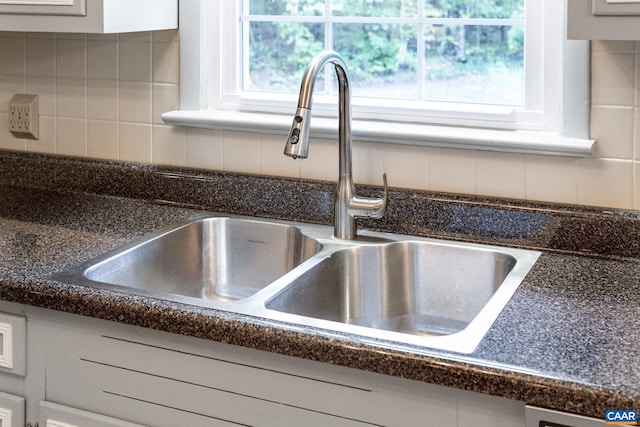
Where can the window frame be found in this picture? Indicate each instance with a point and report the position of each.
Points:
(562, 84)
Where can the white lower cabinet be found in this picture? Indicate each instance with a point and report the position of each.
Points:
(13, 364)
(84, 372)
(163, 380)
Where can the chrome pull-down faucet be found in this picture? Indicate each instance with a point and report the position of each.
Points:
(348, 206)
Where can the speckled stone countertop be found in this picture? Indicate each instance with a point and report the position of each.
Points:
(565, 341)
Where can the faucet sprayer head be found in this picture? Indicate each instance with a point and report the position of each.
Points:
(297, 145)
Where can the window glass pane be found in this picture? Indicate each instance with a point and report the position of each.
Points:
(388, 8)
(286, 7)
(475, 64)
(503, 9)
(381, 58)
(279, 53)
(463, 61)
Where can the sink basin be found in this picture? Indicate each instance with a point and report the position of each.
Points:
(422, 293)
(417, 288)
(391, 290)
(212, 258)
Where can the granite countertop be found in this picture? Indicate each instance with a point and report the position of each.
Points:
(565, 341)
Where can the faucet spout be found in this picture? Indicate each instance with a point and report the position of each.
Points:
(348, 207)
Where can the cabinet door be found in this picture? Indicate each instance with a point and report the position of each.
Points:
(11, 410)
(44, 7)
(538, 417)
(53, 415)
(13, 331)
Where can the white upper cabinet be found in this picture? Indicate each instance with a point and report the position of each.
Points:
(603, 19)
(88, 16)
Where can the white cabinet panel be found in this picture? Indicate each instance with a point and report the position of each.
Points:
(44, 7)
(13, 339)
(53, 415)
(599, 20)
(538, 417)
(11, 411)
(99, 16)
(616, 7)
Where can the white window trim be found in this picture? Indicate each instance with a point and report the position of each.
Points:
(200, 82)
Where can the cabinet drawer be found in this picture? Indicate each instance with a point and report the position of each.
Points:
(53, 415)
(13, 344)
(11, 410)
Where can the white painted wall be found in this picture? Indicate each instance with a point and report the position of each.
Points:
(102, 96)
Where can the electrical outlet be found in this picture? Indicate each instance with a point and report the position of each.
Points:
(24, 116)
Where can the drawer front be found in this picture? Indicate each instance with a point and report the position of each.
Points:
(53, 415)
(11, 410)
(13, 344)
(538, 417)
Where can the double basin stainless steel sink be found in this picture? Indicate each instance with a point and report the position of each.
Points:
(394, 290)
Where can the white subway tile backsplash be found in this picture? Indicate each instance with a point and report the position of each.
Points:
(165, 36)
(71, 98)
(9, 86)
(71, 136)
(166, 62)
(169, 145)
(47, 141)
(273, 161)
(500, 175)
(368, 162)
(605, 182)
(102, 139)
(135, 102)
(407, 166)
(613, 78)
(40, 57)
(102, 96)
(241, 151)
(134, 142)
(137, 37)
(12, 55)
(166, 97)
(204, 148)
(551, 179)
(452, 170)
(102, 99)
(45, 88)
(612, 127)
(102, 59)
(71, 58)
(9, 142)
(322, 162)
(135, 61)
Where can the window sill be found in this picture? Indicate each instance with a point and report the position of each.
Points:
(530, 142)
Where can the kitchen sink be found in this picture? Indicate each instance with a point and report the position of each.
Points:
(419, 288)
(213, 258)
(391, 290)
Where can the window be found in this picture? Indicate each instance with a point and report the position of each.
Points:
(494, 74)
(415, 53)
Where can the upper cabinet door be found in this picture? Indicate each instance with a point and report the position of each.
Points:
(44, 7)
(603, 19)
(88, 16)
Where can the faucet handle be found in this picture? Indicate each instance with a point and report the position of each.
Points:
(385, 196)
(368, 207)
